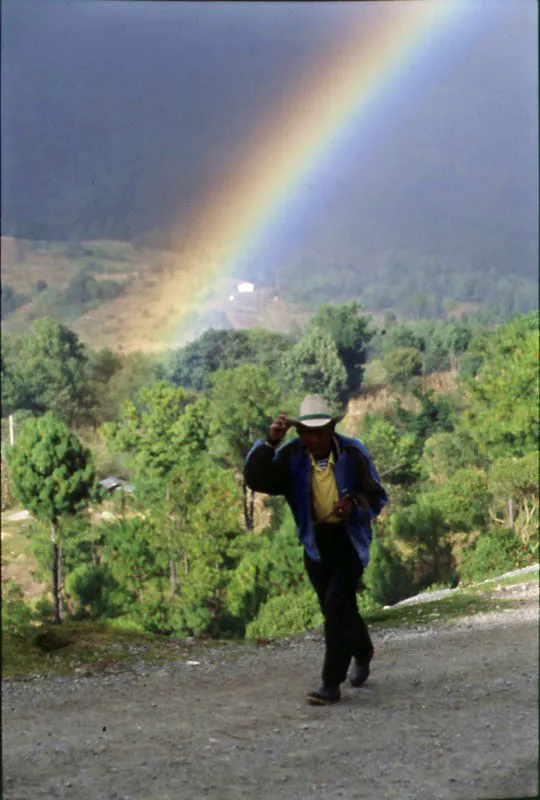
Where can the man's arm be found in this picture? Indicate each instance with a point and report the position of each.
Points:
(368, 492)
(264, 470)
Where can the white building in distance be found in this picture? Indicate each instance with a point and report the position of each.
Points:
(246, 287)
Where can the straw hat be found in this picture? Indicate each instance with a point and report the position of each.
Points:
(314, 413)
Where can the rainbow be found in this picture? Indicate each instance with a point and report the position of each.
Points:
(292, 143)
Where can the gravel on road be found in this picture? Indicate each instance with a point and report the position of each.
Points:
(450, 712)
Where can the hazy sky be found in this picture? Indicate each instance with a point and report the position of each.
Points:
(133, 112)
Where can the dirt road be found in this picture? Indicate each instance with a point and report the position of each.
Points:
(449, 712)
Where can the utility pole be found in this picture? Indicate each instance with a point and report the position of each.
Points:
(11, 431)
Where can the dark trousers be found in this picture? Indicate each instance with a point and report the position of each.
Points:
(335, 579)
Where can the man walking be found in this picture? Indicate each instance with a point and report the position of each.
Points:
(333, 490)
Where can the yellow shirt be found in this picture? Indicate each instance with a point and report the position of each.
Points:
(324, 489)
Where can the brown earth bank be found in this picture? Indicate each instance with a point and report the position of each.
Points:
(450, 711)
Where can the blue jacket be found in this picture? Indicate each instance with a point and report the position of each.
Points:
(287, 471)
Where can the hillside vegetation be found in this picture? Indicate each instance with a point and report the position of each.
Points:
(448, 411)
(133, 296)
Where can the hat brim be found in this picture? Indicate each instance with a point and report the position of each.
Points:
(317, 422)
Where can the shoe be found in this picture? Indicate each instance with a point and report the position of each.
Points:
(323, 696)
(360, 671)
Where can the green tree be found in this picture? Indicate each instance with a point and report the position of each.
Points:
(513, 482)
(130, 551)
(464, 499)
(159, 427)
(136, 371)
(213, 524)
(395, 454)
(102, 366)
(403, 335)
(192, 365)
(53, 477)
(435, 414)
(388, 577)
(403, 365)
(502, 400)
(242, 403)
(270, 563)
(351, 331)
(444, 453)
(423, 525)
(313, 366)
(46, 371)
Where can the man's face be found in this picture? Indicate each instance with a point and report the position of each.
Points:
(317, 440)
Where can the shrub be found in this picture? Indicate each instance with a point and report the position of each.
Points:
(285, 615)
(11, 301)
(16, 615)
(367, 604)
(495, 552)
(96, 590)
(387, 577)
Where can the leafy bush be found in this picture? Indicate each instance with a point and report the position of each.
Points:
(96, 590)
(16, 615)
(367, 604)
(11, 301)
(45, 609)
(495, 552)
(84, 289)
(388, 578)
(286, 615)
(157, 616)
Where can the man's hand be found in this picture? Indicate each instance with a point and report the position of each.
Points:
(343, 508)
(278, 429)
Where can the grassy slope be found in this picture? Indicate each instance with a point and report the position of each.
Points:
(16, 562)
(87, 648)
(160, 290)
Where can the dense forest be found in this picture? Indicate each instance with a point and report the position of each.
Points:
(182, 547)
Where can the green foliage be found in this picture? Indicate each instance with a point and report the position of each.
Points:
(464, 499)
(419, 287)
(513, 481)
(351, 332)
(11, 300)
(101, 367)
(53, 477)
(269, 563)
(445, 452)
(423, 525)
(180, 562)
(435, 414)
(209, 550)
(95, 590)
(45, 370)
(133, 557)
(400, 335)
(242, 402)
(388, 577)
(287, 614)
(494, 552)
(502, 410)
(16, 614)
(395, 454)
(402, 365)
(84, 292)
(137, 370)
(52, 473)
(313, 366)
(159, 427)
(193, 365)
